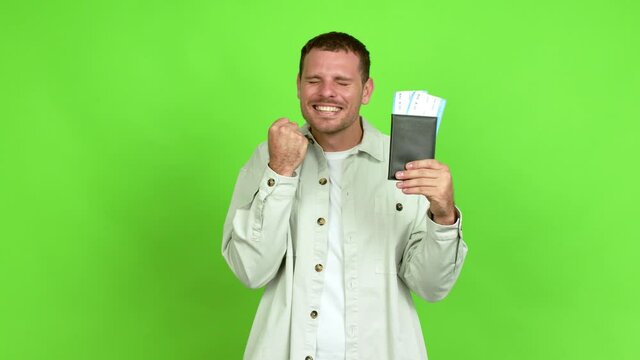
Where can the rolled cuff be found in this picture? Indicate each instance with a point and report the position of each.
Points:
(444, 232)
(273, 183)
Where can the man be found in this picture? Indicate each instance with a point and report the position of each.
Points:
(336, 245)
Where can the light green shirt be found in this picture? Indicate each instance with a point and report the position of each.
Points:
(276, 233)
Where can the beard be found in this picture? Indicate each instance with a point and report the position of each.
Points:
(329, 122)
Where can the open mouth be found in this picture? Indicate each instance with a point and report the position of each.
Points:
(327, 109)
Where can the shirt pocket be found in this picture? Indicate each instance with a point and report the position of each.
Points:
(388, 203)
(392, 206)
(391, 227)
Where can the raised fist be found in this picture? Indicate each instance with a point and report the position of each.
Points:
(287, 147)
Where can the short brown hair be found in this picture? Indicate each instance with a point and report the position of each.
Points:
(338, 41)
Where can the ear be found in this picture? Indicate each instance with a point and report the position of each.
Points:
(367, 90)
(298, 85)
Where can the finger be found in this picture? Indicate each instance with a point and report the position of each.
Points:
(424, 164)
(421, 182)
(420, 190)
(298, 133)
(292, 125)
(292, 129)
(280, 122)
(419, 173)
(286, 129)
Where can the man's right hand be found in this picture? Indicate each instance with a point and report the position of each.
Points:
(287, 147)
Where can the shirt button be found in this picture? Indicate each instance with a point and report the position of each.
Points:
(322, 181)
(321, 221)
(271, 182)
(308, 358)
(319, 267)
(399, 207)
(314, 314)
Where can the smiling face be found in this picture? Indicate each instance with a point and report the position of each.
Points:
(331, 91)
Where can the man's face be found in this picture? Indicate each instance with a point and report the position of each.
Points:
(330, 90)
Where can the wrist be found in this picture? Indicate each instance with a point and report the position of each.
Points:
(282, 170)
(447, 218)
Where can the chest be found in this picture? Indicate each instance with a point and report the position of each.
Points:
(376, 217)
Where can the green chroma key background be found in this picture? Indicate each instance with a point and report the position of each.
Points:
(123, 125)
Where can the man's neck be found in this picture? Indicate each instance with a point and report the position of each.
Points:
(341, 141)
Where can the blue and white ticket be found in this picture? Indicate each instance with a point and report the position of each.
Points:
(419, 103)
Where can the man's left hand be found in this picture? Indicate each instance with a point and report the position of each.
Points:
(432, 179)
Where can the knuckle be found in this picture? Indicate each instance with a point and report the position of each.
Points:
(278, 123)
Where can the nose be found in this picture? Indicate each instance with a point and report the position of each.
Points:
(327, 89)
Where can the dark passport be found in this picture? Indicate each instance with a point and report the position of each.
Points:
(412, 138)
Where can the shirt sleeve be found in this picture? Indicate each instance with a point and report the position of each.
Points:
(256, 228)
(433, 257)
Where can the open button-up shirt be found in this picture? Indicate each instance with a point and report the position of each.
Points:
(276, 234)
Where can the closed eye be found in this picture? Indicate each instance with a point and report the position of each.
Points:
(343, 80)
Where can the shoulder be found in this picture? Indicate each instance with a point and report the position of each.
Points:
(374, 142)
(259, 158)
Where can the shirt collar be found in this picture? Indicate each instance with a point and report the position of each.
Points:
(370, 143)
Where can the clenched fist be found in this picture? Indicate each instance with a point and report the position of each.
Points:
(287, 147)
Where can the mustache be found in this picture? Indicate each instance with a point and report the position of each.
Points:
(327, 102)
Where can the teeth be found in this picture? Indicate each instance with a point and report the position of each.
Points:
(327, 108)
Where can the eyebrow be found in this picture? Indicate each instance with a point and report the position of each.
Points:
(337, 78)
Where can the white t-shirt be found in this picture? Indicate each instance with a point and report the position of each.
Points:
(331, 322)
